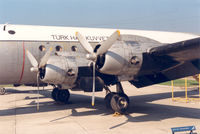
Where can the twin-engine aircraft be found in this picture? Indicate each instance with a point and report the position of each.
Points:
(92, 59)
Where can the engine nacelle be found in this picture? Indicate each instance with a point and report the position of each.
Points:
(124, 57)
(60, 70)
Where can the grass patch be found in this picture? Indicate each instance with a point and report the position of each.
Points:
(181, 83)
(6, 85)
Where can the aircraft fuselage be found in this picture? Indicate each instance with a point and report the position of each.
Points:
(16, 39)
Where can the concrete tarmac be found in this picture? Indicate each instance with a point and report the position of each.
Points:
(151, 111)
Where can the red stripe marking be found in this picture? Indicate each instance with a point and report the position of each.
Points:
(22, 73)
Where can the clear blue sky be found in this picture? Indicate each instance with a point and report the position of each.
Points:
(166, 15)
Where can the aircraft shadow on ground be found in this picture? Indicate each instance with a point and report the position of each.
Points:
(141, 104)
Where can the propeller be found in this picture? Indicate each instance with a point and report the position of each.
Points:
(35, 67)
(93, 55)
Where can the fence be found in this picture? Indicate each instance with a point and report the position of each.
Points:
(186, 98)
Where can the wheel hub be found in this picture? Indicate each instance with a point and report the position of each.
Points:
(122, 102)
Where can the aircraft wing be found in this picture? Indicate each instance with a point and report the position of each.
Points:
(169, 62)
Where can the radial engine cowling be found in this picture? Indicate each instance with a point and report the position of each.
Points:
(122, 58)
(60, 70)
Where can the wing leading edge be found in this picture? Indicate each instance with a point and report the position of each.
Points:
(169, 62)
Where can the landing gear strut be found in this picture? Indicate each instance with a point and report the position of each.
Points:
(2, 91)
(117, 101)
(59, 95)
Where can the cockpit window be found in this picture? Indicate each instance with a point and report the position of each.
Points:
(4, 28)
(11, 32)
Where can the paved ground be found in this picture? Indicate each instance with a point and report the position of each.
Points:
(151, 111)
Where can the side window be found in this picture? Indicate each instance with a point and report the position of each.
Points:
(58, 48)
(42, 48)
(74, 48)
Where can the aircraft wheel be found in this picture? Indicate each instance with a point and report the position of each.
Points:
(54, 94)
(107, 99)
(63, 96)
(2, 91)
(119, 102)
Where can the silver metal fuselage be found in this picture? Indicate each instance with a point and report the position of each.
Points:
(14, 65)
(16, 39)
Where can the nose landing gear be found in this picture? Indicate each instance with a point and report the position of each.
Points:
(117, 101)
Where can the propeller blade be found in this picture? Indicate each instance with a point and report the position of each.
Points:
(108, 43)
(84, 43)
(32, 59)
(93, 85)
(45, 58)
(38, 104)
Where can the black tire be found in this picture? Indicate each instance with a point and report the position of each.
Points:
(63, 96)
(54, 94)
(107, 99)
(2, 91)
(120, 103)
